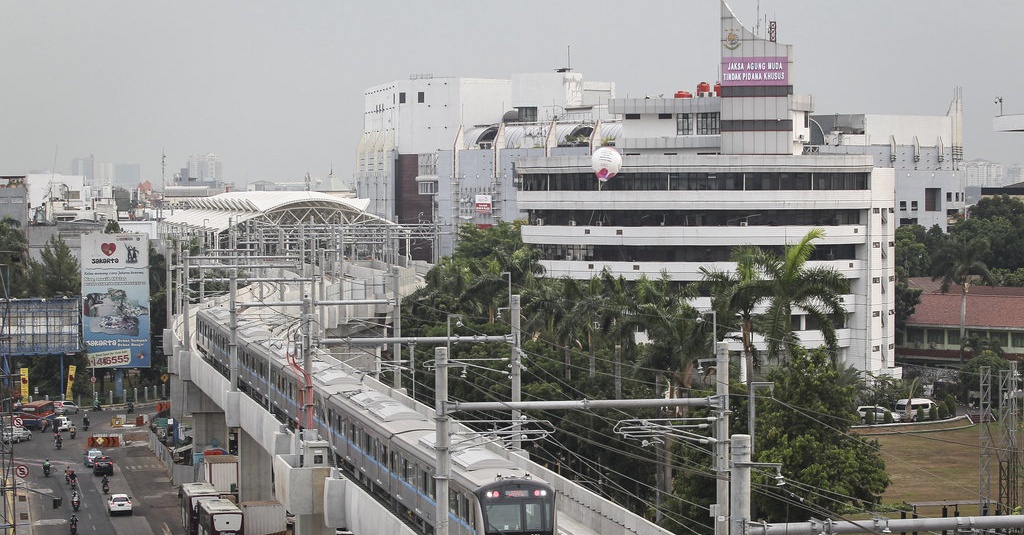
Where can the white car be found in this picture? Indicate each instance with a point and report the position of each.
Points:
(119, 503)
(879, 414)
(90, 455)
(65, 407)
(62, 423)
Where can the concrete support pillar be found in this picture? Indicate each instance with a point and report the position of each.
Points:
(253, 485)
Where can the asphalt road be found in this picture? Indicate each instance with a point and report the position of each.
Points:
(137, 472)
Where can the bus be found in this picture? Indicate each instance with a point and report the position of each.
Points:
(188, 498)
(37, 414)
(219, 517)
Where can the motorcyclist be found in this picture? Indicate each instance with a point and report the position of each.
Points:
(73, 522)
(75, 500)
(59, 442)
(106, 484)
(85, 422)
(46, 468)
(73, 430)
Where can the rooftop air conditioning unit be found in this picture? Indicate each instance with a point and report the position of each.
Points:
(540, 222)
(743, 223)
(572, 222)
(600, 223)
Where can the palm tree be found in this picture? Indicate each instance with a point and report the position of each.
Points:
(791, 283)
(736, 294)
(958, 262)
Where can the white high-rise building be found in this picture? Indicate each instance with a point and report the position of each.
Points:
(408, 122)
(204, 168)
(705, 173)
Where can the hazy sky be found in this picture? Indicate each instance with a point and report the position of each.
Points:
(276, 87)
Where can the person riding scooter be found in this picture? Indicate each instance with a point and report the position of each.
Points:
(85, 422)
(73, 430)
(46, 468)
(73, 522)
(75, 500)
(59, 442)
(106, 485)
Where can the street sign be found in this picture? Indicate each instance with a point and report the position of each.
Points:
(164, 377)
(18, 422)
(21, 471)
(92, 379)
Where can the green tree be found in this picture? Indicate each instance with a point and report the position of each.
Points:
(790, 283)
(14, 257)
(806, 430)
(57, 273)
(958, 264)
(911, 253)
(112, 227)
(970, 375)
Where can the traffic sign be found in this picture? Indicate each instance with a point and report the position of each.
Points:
(18, 422)
(92, 379)
(164, 377)
(21, 471)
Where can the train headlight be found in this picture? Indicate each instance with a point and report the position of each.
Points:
(540, 493)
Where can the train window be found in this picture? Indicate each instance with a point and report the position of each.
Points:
(383, 455)
(429, 485)
(406, 469)
(453, 502)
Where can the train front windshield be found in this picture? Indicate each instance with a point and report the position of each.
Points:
(518, 509)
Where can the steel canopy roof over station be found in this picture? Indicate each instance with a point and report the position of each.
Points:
(278, 208)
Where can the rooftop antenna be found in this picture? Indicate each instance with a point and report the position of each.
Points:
(568, 57)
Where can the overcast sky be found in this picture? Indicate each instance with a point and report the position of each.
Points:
(276, 87)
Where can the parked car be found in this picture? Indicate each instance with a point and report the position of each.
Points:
(119, 503)
(102, 465)
(879, 413)
(908, 408)
(90, 455)
(65, 407)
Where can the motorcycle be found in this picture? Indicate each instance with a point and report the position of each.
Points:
(130, 407)
(75, 501)
(59, 443)
(85, 423)
(46, 470)
(106, 487)
(73, 433)
(97, 407)
(74, 524)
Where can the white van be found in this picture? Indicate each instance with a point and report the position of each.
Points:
(907, 408)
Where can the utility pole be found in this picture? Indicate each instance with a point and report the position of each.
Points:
(516, 371)
(720, 510)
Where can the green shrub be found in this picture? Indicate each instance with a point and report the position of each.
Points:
(943, 412)
(888, 417)
(933, 412)
(920, 414)
(950, 402)
(869, 417)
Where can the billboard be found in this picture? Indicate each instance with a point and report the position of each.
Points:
(483, 204)
(36, 327)
(115, 300)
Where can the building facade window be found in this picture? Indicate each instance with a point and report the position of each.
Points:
(683, 124)
(664, 116)
(632, 116)
(401, 97)
(421, 97)
(708, 124)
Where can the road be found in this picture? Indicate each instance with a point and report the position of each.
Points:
(137, 472)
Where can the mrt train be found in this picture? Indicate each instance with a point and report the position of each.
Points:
(382, 442)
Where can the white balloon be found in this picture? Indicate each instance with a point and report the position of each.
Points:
(606, 162)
